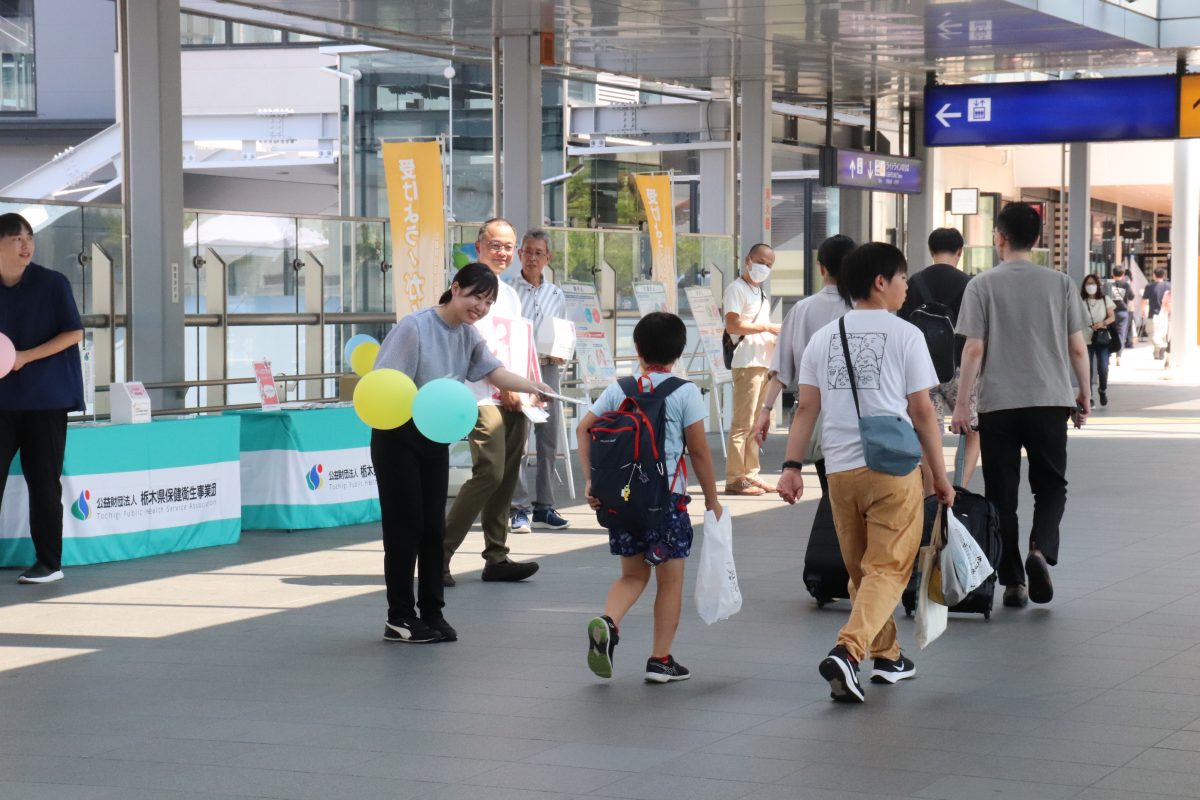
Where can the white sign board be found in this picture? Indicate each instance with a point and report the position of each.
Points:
(650, 297)
(596, 367)
(710, 325)
(129, 403)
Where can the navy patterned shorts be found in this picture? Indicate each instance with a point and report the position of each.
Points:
(672, 539)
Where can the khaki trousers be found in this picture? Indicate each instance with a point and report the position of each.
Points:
(879, 518)
(749, 391)
(497, 444)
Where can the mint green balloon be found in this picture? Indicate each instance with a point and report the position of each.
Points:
(445, 410)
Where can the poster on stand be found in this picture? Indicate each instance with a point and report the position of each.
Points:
(710, 326)
(596, 366)
(650, 297)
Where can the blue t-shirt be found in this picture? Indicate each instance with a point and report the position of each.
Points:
(32, 313)
(685, 406)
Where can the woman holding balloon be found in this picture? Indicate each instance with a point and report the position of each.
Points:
(438, 349)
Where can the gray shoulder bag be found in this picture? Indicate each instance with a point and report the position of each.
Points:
(889, 443)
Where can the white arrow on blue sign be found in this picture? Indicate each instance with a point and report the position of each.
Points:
(1043, 112)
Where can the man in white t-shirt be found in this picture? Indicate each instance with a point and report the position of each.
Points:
(878, 516)
(497, 440)
(748, 322)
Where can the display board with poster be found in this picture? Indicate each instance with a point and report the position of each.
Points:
(709, 325)
(592, 350)
(650, 296)
(511, 341)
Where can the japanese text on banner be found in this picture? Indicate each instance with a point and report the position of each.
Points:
(416, 201)
(655, 191)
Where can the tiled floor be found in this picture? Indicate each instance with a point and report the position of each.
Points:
(257, 670)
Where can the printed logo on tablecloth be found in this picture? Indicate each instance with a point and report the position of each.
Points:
(314, 479)
(80, 509)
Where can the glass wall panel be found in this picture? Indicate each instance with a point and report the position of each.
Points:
(252, 34)
(197, 31)
(18, 86)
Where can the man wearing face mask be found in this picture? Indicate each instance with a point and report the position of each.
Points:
(748, 322)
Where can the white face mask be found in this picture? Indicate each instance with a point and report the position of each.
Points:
(759, 272)
(1090, 288)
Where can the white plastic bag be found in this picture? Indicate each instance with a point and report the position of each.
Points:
(931, 616)
(964, 565)
(717, 593)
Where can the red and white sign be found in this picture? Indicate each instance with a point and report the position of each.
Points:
(268, 395)
(512, 342)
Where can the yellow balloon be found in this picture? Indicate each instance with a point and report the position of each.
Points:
(362, 360)
(383, 398)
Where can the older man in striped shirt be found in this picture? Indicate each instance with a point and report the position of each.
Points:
(540, 300)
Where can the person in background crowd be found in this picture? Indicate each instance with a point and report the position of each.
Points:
(1101, 311)
(497, 441)
(1156, 310)
(748, 317)
(541, 300)
(945, 283)
(1122, 296)
(1024, 326)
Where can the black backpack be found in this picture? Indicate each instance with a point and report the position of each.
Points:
(630, 476)
(934, 321)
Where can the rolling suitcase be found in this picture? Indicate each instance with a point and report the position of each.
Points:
(979, 517)
(825, 574)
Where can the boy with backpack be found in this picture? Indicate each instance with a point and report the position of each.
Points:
(631, 447)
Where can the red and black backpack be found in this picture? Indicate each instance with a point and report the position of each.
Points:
(630, 476)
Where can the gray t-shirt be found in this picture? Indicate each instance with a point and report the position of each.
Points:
(1024, 314)
(425, 348)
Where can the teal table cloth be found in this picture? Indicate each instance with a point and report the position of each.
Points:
(136, 490)
(306, 468)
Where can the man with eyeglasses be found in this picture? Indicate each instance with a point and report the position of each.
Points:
(541, 300)
(497, 441)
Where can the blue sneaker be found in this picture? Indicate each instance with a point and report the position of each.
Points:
(549, 518)
(520, 522)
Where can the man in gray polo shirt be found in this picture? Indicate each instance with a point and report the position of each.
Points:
(1023, 325)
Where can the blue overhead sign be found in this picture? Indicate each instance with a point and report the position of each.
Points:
(1045, 112)
(859, 169)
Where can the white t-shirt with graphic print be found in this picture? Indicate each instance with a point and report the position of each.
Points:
(891, 361)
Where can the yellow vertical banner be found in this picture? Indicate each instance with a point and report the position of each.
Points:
(655, 192)
(416, 201)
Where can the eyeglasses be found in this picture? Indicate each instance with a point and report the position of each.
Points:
(538, 254)
(500, 247)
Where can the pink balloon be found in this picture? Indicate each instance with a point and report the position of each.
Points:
(8, 355)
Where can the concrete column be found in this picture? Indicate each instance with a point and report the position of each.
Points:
(855, 214)
(1185, 255)
(922, 208)
(153, 192)
(716, 208)
(754, 197)
(1079, 214)
(521, 131)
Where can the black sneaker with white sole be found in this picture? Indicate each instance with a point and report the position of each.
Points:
(602, 640)
(888, 671)
(410, 630)
(666, 671)
(842, 673)
(40, 573)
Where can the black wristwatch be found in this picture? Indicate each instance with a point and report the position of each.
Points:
(792, 465)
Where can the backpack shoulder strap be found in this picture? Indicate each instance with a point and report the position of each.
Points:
(629, 385)
(922, 289)
(667, 387)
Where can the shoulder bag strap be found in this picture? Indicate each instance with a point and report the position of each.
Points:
(849, 365)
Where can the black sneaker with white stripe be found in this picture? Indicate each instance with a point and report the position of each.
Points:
(888, 671)
(666, 671)
(602, 640)
(842, 673)
(410, 630)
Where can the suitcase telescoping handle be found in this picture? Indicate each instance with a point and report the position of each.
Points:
(959, 460)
